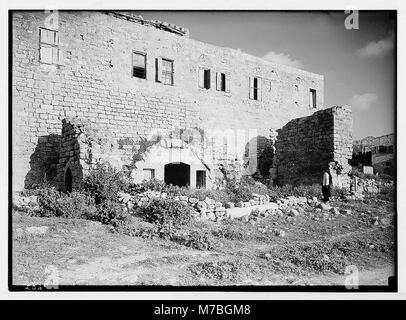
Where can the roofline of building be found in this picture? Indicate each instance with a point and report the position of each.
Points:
(180, 31)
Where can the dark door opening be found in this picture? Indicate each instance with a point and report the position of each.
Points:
(68, 180)
(177, 174)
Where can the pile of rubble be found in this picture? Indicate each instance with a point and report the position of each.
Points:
(207, 209)
(292, 207)
(367, 185)
(257, 199)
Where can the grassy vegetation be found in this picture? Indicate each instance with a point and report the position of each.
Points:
(239, 252)
(92, 238)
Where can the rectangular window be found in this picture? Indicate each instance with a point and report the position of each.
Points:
(148, 174)
(207, 79)
(255, 88)
(164, 71)
(390, 149)
(204, 78)
(312, 98)
(48, 46)
(382, 149)
(200, 179)
(223, 81)
(167, 71)
(139, 65)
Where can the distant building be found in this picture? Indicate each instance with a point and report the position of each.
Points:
(376, 152)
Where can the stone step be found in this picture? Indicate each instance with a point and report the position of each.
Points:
(236, 212)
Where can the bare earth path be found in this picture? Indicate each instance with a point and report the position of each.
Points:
(87, 253)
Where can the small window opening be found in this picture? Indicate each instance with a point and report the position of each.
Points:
(148, 174)
(139, 65)
(313, 102)
(207, 79)
(167, 71)
(48, 46)
(255, 88)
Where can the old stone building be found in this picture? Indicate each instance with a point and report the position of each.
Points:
(378, 152)
(90, 85)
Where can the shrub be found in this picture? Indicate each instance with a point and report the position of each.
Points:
(165, 211)
(387, 192)
(242, 190)
(110, 212)
(339, 192)
(52, 203)
(103, 182)
(232, 230)
(196, 239)
(152, 184)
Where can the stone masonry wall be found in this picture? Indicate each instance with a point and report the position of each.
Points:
(306, 146)
(81, 145)
(93, 80)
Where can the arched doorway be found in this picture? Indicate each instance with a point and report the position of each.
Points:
(68, 180)
(177, 174)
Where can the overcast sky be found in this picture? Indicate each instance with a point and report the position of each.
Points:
(358, 65)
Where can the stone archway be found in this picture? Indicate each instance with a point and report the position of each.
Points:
(177, 174)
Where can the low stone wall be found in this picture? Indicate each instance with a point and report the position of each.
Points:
(306, 146)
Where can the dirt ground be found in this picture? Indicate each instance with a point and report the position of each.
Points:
(316, 249)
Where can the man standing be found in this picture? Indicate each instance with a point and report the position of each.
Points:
(325, 189)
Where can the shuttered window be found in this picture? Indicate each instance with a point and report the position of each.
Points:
(200, 179)
(48, 46)
(164, 71)
(204, 78)
(255, 88)
(223, 81)
(139, 63)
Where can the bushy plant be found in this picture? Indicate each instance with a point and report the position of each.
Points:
(242, 189)
(152, 184)
(165, 212)
(103, 182)
(111, 212)
(52, 203)
(339, 192)
(387, 192)
(196, 239)
(232, 230)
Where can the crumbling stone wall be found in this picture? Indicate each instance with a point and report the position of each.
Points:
(44, 160)
(82, 144)
(306, 146)
(93, 81)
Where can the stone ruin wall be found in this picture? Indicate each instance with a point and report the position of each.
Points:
(93, 82)
(305, 147)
